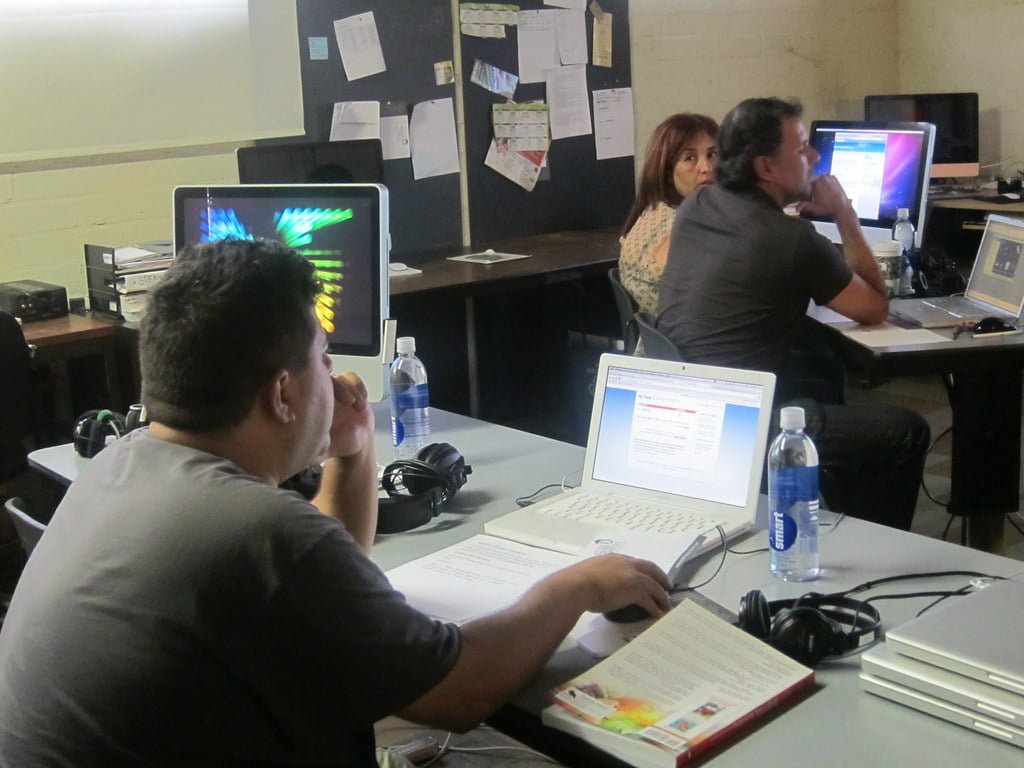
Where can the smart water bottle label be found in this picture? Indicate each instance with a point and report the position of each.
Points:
(790, 489)
(417, 396)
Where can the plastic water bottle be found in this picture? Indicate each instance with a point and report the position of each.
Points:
(410, 401)
(903, 233)
(793, 500)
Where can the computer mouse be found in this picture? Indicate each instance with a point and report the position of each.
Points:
(993, 325)
(1010, 196)
(627, 614)
(397, 266)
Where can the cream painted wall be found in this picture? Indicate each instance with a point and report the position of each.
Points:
(47, 216)
(707, 55)
(702, 55)
(971, 45)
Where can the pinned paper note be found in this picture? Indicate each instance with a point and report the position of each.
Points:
(487, 19)
(444, 73)
(394, 137)
(318, 49)
(522, 168)
(435, 150)
(493, 79)
(523, 127)
(569, 101)
(538, 44)
(359, 45)
(602, 39)
(355, 120)
(571, 30)
(613, 123)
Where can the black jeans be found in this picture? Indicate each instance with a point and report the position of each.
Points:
(872, 456)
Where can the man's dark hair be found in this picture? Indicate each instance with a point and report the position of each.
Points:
(751, 129)
(223, 319)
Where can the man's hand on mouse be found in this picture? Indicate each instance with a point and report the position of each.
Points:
(615, 581)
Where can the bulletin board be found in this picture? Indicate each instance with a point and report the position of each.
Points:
(414, 35)
(581, 192)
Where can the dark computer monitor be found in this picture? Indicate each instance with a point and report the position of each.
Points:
(330, 162)
(341, 228)
(882, 166)
(955, 117)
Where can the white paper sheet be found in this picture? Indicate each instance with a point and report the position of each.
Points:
(493, 79)
(602, 39)
(394, 137)
(474, 577)
(568, 101)
(435, 149)
(359, 44)
(522, 168)
(355, 120)
(538, 44)
(572, 37)
(888, 335)
(613, 123)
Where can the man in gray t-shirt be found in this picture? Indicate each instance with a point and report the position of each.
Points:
(181, 609)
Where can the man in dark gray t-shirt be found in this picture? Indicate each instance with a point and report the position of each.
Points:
(183, 610)
(735, 290)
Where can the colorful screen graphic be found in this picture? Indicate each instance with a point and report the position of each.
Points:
(338, 231)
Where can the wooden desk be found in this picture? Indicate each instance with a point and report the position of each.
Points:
(986, 405)
(62, 339)
(494, 337)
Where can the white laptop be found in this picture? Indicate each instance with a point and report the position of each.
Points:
(673, 448)
(882, 663)
(995, 289)
(978, 636)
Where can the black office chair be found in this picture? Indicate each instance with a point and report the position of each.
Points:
(656, 344)
(16, 396)
(626, 307)
(29, 529)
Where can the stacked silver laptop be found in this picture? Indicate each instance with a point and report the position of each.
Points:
(961, 661)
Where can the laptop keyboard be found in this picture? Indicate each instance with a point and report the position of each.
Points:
(633, 515)
(957, 305)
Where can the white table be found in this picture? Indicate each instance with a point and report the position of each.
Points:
(839, 725)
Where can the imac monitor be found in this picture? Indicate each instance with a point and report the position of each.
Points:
(360, 161)
(955, 117)
(882, 166)
(341, 228)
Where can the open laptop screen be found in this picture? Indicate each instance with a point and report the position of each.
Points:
(684, 435)
(882, 166)
(998, 275)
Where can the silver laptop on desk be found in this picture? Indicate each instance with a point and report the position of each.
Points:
(995, 289)
(673, 447)
(978, 636)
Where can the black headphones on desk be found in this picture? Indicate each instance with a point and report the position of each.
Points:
(809, 628)
(93, 428)
(417, 488)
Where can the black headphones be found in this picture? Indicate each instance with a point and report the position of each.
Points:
(93, 428)
(417, 488)
(809, 628)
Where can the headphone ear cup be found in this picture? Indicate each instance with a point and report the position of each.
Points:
(754, 616)
(807, 635)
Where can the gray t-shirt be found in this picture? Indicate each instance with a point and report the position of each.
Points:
(180, 612)
(739, 276)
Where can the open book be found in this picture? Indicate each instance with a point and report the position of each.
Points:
(680, 688)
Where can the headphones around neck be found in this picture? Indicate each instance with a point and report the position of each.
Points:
(417, 488)
(809, 628)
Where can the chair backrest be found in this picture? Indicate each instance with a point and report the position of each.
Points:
(656, 344)
(16, 396)
(627, 308)
(29, 529)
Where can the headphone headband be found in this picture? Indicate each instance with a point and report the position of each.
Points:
(417, 488)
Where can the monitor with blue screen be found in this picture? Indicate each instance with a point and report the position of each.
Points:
(882, 166)
(341, 228)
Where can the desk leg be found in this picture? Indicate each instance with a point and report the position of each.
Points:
(985, 483)
(472, 359)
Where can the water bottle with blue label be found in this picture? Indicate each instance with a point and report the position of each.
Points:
(793, 500)
(410, 401)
